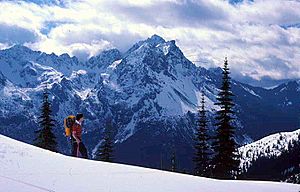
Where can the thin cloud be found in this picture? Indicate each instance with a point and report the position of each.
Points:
(260, 38)
(172, 14)
(11, 34)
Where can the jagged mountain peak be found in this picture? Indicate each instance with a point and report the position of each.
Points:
(25, 53)
(19, 52)
(110, 53)
(155, 39)
(150, 42)
(19, 47)
(154, 49)
(65, 56)
(105, 58)
(291, 86)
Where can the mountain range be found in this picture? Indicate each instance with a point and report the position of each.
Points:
(151, 94)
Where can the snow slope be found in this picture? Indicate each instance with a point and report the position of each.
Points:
(272, 145)
(26, 168)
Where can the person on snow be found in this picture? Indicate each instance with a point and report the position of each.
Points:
(78, 147)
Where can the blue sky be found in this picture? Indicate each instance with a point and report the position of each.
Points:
(261, 38)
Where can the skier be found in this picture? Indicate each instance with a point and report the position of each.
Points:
(78, 146)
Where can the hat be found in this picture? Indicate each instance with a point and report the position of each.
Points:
(79, 116)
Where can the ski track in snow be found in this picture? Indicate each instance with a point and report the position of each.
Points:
(12, 183)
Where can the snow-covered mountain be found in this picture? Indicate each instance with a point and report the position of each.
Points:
(270, 146)
(28, 168)
(272, 110)
(151, 93)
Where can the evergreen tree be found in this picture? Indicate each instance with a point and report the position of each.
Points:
(173, 162)
(225, 161)
(105, 150)
(202, 152)
(45, 137)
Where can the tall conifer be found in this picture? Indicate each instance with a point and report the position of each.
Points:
(45, 136)
(202, 152)
(173, 162)
(225, 161)
(105, 151)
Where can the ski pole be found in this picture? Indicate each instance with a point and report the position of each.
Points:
(77, 149)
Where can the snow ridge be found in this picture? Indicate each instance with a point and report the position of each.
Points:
(272, 145)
